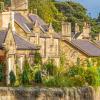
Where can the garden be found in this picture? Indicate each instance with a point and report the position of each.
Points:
(50, 75)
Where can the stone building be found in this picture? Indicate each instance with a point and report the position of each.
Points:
(22, 34)
(78, 44)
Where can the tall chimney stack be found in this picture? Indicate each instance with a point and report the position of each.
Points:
(66, 30)
(86, 31)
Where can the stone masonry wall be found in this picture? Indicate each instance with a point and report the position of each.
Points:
(83, 93)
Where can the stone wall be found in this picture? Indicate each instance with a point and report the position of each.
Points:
(84, 93)
(71, 54)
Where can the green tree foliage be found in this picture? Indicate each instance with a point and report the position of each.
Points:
(26, 73)
(18, 76)
(7, 2)
(38, 77)
(95, 27)
(47, 11)
(25, 78)
(1, 72)
(12, 78)
(50, 67)
(37, 58)
(98, 19)
(92, 76)
(74, 12)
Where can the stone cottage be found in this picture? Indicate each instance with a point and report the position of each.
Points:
(78, 44)
(22, 34)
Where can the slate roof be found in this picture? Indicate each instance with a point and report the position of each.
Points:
(34, 18)
(85, 46)
(23, 22)
(27, 26)
(3, 34)
(22, 44)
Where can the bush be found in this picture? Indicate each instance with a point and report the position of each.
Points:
(37, 58)
(78, 81)
(12, 78)
(58, 82)
(25, 79)
(92, 76)
(75, 70)
(1, 73)
(18, 76)
(50, 67)
(26, 72)
(38, 77)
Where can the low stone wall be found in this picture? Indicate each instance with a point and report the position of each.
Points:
(84, 93)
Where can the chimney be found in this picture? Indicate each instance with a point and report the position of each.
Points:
(66, 30)
(12, 21)
(5, 19)
(36, 30)
(50, 29)
(1, 6)
(19, 5)
(35, 11)
(86, 31)
(8, 18)
(77, 28)
(98, 37)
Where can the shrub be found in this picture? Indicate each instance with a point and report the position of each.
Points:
(76, 75)
(50, 67)
(38, 77)
(89, 63)
(1, 72)
(75, 70)
(25, 79)
(12, 78)
(18, 76)
(37, 58)
(92, 76)
(27, 69)
(58, 82)
(78, 81)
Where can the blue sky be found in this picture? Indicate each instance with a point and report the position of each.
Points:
(93, 6)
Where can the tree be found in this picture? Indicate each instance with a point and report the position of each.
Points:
(47, 11)
(26, 73)
(98, 19)
(25, 78)
(12, 78)
(38, 77)
(1, 72)
(7, 2)
(74, 12)
(18, 75)
(37, 58)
